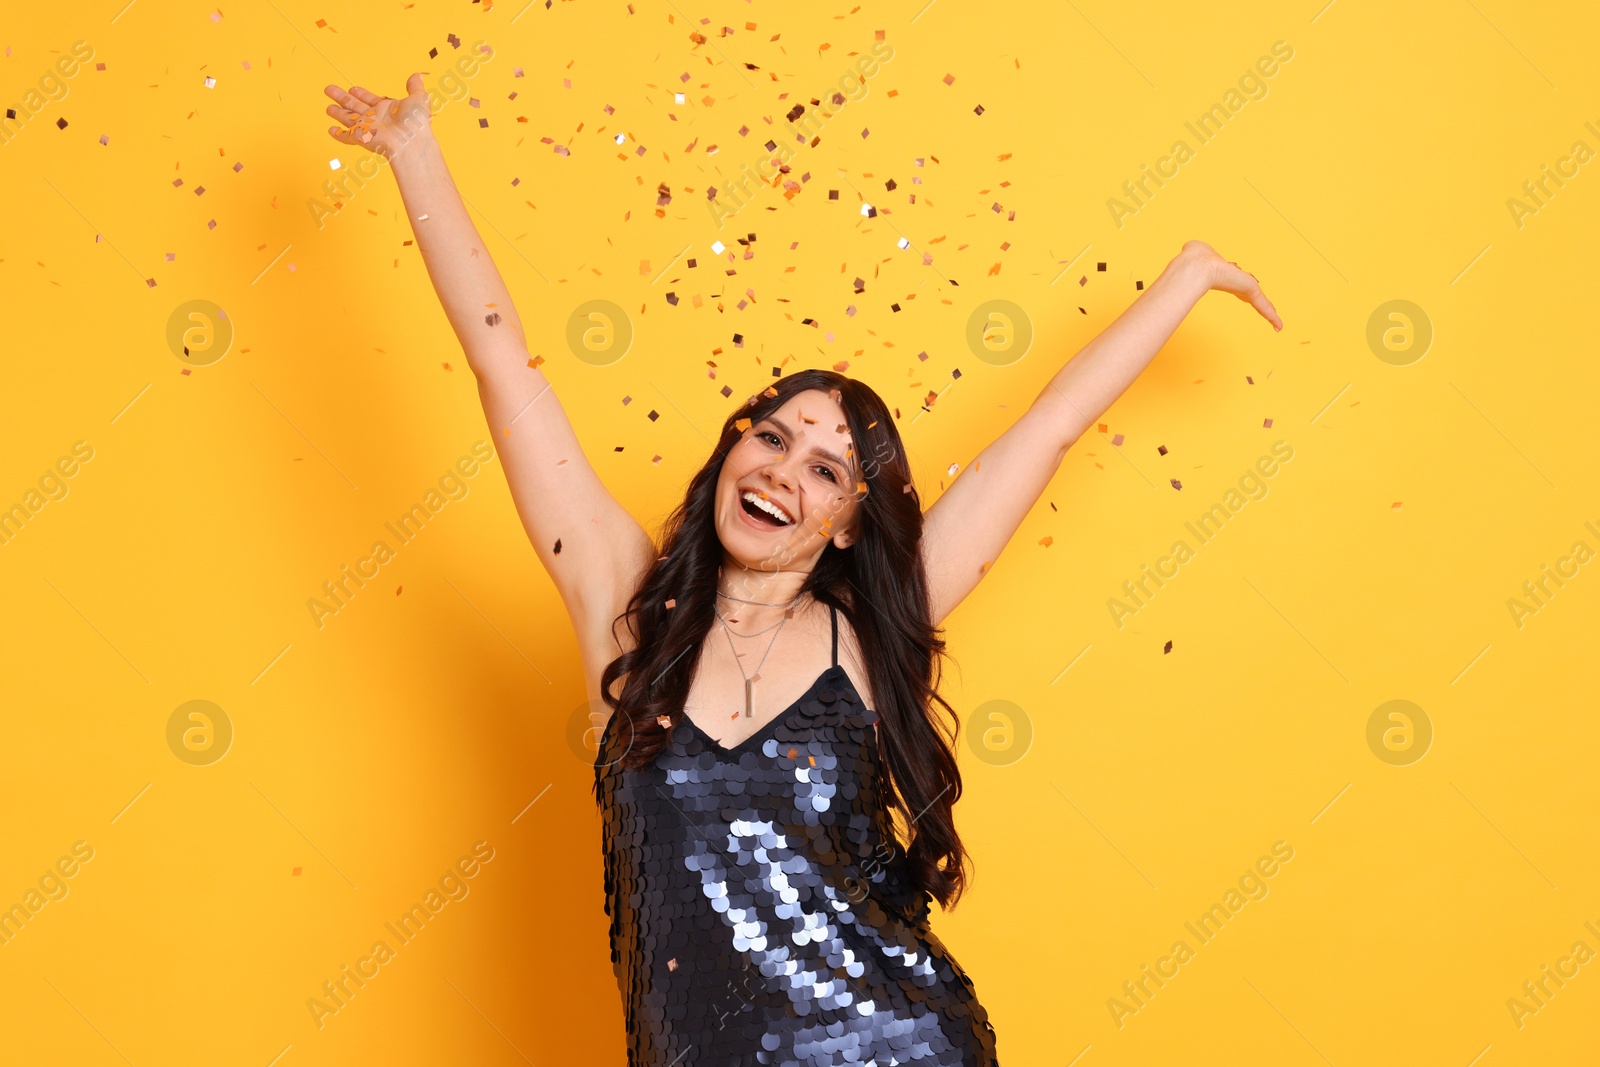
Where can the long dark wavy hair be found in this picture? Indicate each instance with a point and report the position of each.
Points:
(878, 583)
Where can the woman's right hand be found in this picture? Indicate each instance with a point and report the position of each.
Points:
(380, 123)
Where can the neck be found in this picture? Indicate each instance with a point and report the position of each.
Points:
(742, 584)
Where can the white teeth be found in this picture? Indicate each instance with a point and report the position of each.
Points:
(769, 507)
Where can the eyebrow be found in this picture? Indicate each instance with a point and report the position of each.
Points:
(824, 453)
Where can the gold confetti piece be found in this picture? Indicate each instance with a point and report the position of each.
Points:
(672, 604)
(672, 964)
(1047, 541)
(666, 723)
(742, 425)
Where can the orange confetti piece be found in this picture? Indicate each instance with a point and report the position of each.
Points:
(742, 425)
(671, 604)
(1047, 541)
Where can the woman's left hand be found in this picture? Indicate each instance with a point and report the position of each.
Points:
(1227, 276)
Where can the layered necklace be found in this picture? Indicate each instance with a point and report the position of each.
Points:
(751, 679)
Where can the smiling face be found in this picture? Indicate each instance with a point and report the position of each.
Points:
(788, 486)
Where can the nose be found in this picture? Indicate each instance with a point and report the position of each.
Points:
(777, 472)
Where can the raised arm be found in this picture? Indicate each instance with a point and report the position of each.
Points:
(971, 523)
(557, 493)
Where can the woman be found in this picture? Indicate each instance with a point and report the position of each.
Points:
(776, 794)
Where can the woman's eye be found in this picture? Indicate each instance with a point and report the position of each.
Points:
(829, 472)
(764, 434)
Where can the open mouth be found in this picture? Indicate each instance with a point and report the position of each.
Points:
(763, 510)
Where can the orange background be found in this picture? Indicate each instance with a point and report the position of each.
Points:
(432, 712)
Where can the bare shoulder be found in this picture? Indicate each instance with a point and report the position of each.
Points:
(602, 633)
(851, 660)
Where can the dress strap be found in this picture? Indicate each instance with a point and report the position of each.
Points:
(834, 615)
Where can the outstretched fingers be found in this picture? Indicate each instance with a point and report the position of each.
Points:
(1258, 300)
(343, 114)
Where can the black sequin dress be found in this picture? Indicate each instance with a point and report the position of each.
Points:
(761, 911)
